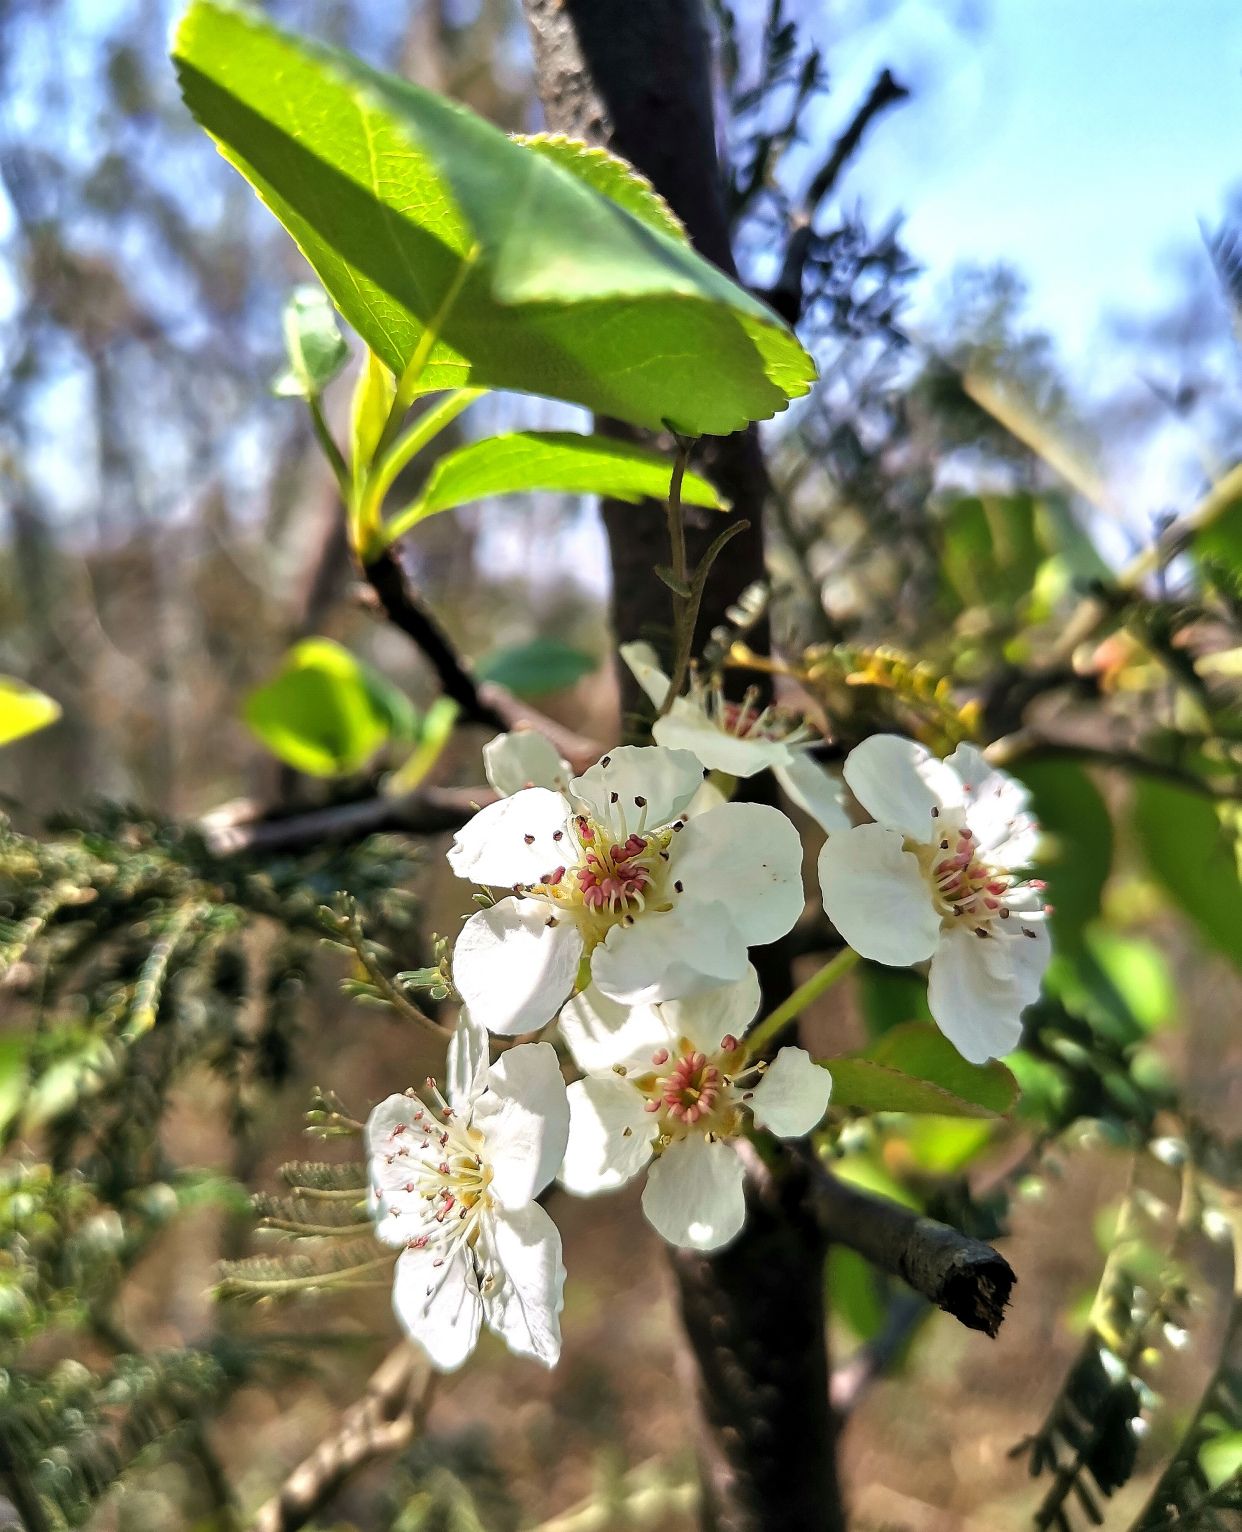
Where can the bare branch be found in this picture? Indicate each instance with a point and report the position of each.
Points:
(786, 295)
(387, 579)
(240, 827)
(386, 1419)
(963, 1276)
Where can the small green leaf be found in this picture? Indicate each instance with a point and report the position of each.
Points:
(1221, 1458)
(549, 460)
(326, 712)
(534, 669)
(23, 710)
(873, 1087)
(313, 343)
(373, 395)
(924, 1051)
(1194, 853)
(610, 175)
(14, 1077)
(463, 258)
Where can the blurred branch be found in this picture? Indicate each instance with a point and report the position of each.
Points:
(786, 294)
(1024, 746)
(963, 1276)
(386, 1419)
(240, 826)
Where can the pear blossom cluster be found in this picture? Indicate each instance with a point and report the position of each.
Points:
(622, 904)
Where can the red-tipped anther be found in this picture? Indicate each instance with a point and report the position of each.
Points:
(660, 1056)
(728, 1043)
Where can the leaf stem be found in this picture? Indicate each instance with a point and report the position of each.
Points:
(773, 1023)
(327, 443)
(425, 429)
(683, 623)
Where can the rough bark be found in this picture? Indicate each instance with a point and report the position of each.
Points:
(635, 75)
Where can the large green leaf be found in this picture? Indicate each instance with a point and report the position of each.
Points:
(610, 175)
(1194, 853)
(23, 710)
(326, 713)
(422, 219)
(548, 460)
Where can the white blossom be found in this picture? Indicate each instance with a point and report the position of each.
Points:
(670, 1085)
(453, 1185)
(524, 758)
(938, 875)
(610, 882)
(740, 739)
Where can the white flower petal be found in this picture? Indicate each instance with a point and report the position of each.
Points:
(644, 664)
(706, 1018)
(876, 895)
(996, 808)
(512, 968)
(524, 1116)
(389, 1123)
(793, 1095)
(694, 1195)
(524, 1306)
(979, 986)
(524, 758)
(438, 1305)
(600, 1032)
(687, 727)
(666, 779)
(748, 857)
(899, 782)
(815, 791)
(691, 947)
(510, 841)
(610, 1134)
(465, 1062)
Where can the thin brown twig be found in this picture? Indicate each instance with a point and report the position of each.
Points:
(386, 1419)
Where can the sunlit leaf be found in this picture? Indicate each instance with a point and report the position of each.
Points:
(1221, 1458)
(427, 224)
(23, 710)
(855, 1293)
(610, 175)
(549, 460)
(373, 396)
(1194, 854)
(314, 345)
(534, 669)
(326, 712)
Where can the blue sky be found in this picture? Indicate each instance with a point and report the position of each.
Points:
(1080, 139)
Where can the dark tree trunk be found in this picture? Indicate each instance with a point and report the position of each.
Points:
(636, 75)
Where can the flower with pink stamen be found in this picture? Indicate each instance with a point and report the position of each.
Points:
(939, 875)
(609, 871)
(670, 1086)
